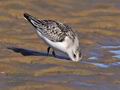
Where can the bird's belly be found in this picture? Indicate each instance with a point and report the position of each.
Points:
(57, 45)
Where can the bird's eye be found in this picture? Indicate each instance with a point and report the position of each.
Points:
(74, 55)
(53, 27)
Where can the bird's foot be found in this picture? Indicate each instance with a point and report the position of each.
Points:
(53, 53)
(48, 49)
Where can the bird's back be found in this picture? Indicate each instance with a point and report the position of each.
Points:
(54, 31)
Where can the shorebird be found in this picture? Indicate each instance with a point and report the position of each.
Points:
(58, 36)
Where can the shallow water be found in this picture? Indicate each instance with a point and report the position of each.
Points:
(24, 63)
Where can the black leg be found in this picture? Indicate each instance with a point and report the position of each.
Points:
(53, 53)
(48, 49)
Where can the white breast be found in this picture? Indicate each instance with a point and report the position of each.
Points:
(57, 45)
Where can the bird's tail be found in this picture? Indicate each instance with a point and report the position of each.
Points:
(32, 20)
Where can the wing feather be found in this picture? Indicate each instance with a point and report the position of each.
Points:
(54, 31)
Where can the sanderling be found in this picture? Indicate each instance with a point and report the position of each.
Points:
(58, 36)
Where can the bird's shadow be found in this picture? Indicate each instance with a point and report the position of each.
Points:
(27, 52)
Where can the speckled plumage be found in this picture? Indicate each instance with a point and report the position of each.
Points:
(57, 35)
(55, 31)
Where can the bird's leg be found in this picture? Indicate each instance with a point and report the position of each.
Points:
(48, 49)
(53, 53)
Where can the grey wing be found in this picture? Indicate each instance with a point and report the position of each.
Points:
(56, 31)
(52, 30)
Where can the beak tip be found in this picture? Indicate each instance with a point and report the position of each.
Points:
(26, 15)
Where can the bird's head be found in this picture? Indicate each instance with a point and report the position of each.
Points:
(74, 52)
(75, 55)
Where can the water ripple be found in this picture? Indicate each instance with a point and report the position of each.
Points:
(110, 47)
(116, 52)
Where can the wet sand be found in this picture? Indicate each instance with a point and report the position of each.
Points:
(24, 63)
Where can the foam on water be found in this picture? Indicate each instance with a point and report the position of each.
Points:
(116, 53)
(116, 56)
(115, 64)
(93, 58)
(110, 47)
(101, 65)
(115, 50)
